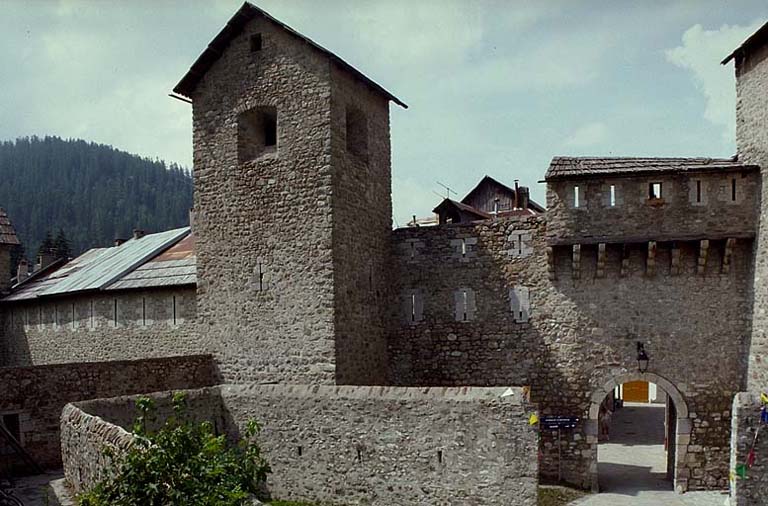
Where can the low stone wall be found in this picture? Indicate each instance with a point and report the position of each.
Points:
(90, 427)
(752, 489)
(358, 445)
(35, 396)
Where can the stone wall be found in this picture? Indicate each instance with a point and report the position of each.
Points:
(535, 316)
(120, 325)
(367, 445)
(692, 206)
(88, 427)
(5, 268)
(38, 394)
(752, 144)
(362, 226)
(752, 489)
(267, 303)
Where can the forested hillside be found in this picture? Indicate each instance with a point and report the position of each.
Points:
(92, 192)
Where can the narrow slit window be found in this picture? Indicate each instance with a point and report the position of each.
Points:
(91, 316)
(413, 307)
(144, 311)
(465, 303)
(256, 42)
(519, 244)
(576, 202)
(73, 315)
(413, 250)
(654, 191)
(174, 310)
(463, 247)
(612, 198)
(114, 313)
(698, 191)
(55, 315)
(733, 190)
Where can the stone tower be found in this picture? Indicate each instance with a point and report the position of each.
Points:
(292, 205)
(8, 240)
(751, 62)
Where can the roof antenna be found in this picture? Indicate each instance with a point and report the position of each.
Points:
(448, 191)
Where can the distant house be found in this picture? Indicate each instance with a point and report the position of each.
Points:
(487, 200)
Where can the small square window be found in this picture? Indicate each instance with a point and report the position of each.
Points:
(256, 132)
(654, 191)
(256, 42)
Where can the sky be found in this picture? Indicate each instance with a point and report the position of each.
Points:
(493, 87)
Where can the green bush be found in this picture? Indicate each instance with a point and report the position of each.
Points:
(181, 464)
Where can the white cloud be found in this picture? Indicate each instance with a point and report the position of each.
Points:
(700, 53)
(588, 135)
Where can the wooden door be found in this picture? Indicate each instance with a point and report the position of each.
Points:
(636, 391)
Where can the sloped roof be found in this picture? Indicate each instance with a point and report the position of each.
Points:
(98, 268)
(564, 167)
(462, 207)
(759, 36)
(7, 232)
(174, 267)
(233, 28)
(488, 179)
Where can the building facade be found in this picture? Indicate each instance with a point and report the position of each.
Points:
(300, 278)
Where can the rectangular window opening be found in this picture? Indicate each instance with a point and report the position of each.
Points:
(174, 310)
(256, 42)
(413, 307)
(114, 315)
(576, 202)
(733, 190)
(357, 132)
(654, 191)
(13, 425)
(144, 311)
(465, 303)
(519, 244)
(613, 196)
(256, 132)
(698, 191)
(463, 247)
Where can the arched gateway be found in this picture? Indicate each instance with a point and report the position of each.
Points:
(679, 432)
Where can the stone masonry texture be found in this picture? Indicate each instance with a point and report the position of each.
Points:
(353, 445)
(581, 333)
(752, 144)
(752, 489)
(38, 394)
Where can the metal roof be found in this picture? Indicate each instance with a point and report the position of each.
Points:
(7, 232)
(564, 167)
(174, 267)
(233, 28)
(99, 268)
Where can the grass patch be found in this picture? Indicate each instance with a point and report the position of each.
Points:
(558, 496)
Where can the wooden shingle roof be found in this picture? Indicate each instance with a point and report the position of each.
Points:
(7, 232)
(566, 167)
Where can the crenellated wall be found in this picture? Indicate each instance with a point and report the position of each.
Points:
(582, 317)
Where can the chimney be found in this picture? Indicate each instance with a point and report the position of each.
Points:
(119, 241)
(517, 198)
(44, 259)
(22, 271)
(524, 197)
(138, 234)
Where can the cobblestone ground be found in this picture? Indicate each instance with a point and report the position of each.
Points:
(632, 465)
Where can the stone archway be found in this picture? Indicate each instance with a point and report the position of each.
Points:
(682, 429)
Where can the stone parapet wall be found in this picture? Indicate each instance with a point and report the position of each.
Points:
(90, 427)
(37, 394)
(751, 490)
(372, 445)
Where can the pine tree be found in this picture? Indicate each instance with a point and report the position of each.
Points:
(61, 249)
(47, 247)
